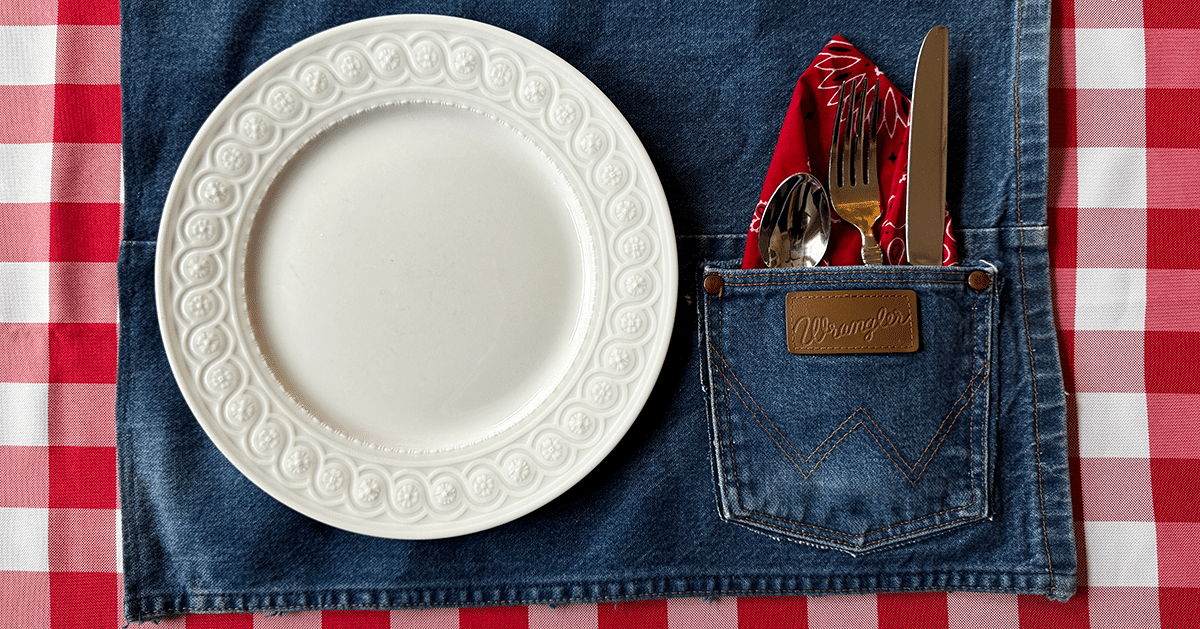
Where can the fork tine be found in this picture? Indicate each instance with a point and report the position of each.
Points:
(869, 125)
(854, 169)
(857, 97)
(850, 142)
(835, 150)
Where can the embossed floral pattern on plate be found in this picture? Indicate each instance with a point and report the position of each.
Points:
(268, 435)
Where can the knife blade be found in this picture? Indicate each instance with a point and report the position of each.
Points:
(925, 215)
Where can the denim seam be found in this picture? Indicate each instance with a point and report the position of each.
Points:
(584, 599)
(123, 467)
(862, 281)
(852, 270)
(984, 369)
(1024, 293)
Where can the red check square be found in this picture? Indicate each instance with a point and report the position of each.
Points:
(1167, 14)
(26, 114)
(1175, 490)
(87, 114)
(356, 619)
(85, 599)
(83, 540)
(222, 621)
(90, 12)
(85, 232)
(1179, 607)
(1171, 180)
(88, 55)
(86, 173)
(1170, 360)
(1172, 420)
(1178, 561)
(1037, 612)
(915, 609)
(1062, 15)
(26, 597)
(771, 612)
(647, 614)
(83, 478)
(83, 352)
(1108, 361)
(24, 232)
(1170, 248)
(447, 618)
(1115, 490)
(26, 351)
(1168, 123)
(83, 292)
(82, 414)
(1062, 119)
(1109, 118)
(26, 474)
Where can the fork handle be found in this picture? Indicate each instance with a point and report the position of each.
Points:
(872, 254)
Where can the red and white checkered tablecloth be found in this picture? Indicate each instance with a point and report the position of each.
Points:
(1125, 208)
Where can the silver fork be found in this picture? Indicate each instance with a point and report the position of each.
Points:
(853, 167)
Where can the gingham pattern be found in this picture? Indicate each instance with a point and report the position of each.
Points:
(1125, 205)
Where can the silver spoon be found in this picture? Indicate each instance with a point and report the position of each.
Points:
(796, 223)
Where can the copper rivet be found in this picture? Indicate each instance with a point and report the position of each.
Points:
(979, 280)
(714, 284)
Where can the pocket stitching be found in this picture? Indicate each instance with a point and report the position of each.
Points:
(782, 282)
(943, 430)
(971, 387)
(733, 461)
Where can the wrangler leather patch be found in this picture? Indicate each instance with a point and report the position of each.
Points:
(852, 322)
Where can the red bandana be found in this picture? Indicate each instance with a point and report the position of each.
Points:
(803, 146)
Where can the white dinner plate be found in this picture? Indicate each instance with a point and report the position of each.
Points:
(416, 276)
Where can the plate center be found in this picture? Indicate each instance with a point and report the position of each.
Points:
(416, 276)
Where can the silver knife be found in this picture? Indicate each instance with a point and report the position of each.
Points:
(925, 218)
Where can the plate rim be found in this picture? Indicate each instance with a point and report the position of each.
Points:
(658, 340)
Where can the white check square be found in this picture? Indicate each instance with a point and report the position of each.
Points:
(24, 292)
(120, 550)
(1111, 177)
(24, 539)
(1110, 58)
(1123, 554)
(27, 55)
(24, 414)
(25, 172)
(1113, 425)
(1110, 299)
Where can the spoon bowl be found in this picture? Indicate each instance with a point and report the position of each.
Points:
(795, 224)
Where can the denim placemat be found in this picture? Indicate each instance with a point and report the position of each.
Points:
(705, 85)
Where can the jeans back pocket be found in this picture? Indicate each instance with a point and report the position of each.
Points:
(851, 451)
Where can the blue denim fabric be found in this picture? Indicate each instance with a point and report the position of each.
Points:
(705, 84)
(787, 456)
